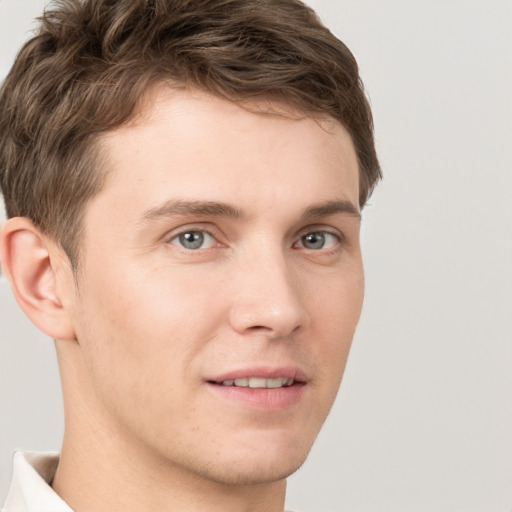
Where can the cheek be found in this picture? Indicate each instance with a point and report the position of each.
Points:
(335, 314)
(140, 350)
(149, 323)
(337, 298)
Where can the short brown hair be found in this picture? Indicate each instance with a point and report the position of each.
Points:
(90, 63)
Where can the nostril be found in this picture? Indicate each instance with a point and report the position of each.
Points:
(259, 328)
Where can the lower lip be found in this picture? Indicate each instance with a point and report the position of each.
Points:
(268, 399)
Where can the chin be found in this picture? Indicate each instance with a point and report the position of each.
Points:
(253, 474)
(265, 466)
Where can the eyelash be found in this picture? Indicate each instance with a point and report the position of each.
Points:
(338, 237)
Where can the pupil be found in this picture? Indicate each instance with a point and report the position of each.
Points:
(192, 240)
(314, 241)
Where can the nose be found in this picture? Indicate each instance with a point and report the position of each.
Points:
(266, 300)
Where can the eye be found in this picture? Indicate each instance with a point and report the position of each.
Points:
(318, 240)
(193, 240)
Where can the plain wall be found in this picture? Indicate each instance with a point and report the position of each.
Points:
(423, 422)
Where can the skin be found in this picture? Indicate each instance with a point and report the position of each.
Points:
(147, 322)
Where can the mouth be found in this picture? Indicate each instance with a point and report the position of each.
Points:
(263, 389)
(257, 382)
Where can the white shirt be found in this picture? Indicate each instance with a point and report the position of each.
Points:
(30, 489)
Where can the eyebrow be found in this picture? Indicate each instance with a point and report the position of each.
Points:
(218, 209)
(331, 208)
(181, 207)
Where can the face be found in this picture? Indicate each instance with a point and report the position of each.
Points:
(220, 285)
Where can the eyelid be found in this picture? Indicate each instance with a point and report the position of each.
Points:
(319, 228)
(207, 227)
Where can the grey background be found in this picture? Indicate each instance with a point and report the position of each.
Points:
(423, 422)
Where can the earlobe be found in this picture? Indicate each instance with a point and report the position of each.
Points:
(30, 261)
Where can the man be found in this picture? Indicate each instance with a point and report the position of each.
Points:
(184, 183)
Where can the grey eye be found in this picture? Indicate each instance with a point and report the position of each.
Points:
(318, 240)
(313, 241)
(193, 240)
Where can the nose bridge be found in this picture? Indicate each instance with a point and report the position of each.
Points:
(266, 298)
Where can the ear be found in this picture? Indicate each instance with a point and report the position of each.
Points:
(36, 269)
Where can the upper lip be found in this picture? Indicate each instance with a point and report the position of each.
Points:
(264, 372)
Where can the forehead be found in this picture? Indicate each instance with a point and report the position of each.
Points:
(199, 146)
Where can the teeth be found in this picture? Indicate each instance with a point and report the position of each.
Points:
(259, 382)
(274, 383)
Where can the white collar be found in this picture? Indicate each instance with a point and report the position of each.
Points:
(30, 489)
